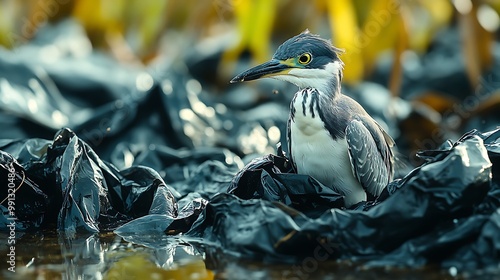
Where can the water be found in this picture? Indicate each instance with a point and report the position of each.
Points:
(49, 255)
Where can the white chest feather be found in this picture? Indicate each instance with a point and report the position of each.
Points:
(316, 154)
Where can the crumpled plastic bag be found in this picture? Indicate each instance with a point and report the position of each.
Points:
(426, 217)
(438, 213)
(74, 189)
(272, 178)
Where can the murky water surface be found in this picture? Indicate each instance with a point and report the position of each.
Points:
(48, 255)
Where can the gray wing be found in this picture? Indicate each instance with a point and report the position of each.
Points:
(370, 154)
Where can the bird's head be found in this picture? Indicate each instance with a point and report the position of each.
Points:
(305, 60)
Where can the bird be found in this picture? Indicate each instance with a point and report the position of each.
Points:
(330, 136)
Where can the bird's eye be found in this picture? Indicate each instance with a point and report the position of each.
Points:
(305, 58)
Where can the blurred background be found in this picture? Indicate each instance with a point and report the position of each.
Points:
(146, 82)
(428, 70)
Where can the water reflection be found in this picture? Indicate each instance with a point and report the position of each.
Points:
(155, 256)
(83, 256)
(49, 255)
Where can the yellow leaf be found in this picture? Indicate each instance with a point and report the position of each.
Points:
(424, 18)
(380, 31)
(343, 23)
(255, 22)
(100, 18)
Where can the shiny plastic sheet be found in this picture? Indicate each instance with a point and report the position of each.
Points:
(271, 178)
(79, 191)
(429, 217)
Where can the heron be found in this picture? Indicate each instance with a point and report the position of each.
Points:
(330, 136)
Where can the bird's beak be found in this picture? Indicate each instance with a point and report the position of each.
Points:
(273, 67)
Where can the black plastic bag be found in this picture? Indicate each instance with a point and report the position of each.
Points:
(78, 190)
(431, 210)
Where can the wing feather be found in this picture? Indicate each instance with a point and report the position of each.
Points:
(370, 154)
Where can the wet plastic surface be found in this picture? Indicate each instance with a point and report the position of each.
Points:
(152, 152)
(430, 215)
(436, 213)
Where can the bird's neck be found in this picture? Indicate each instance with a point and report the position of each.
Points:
(328, 90)
(331, 88)
(326, 80)
(330, 84)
